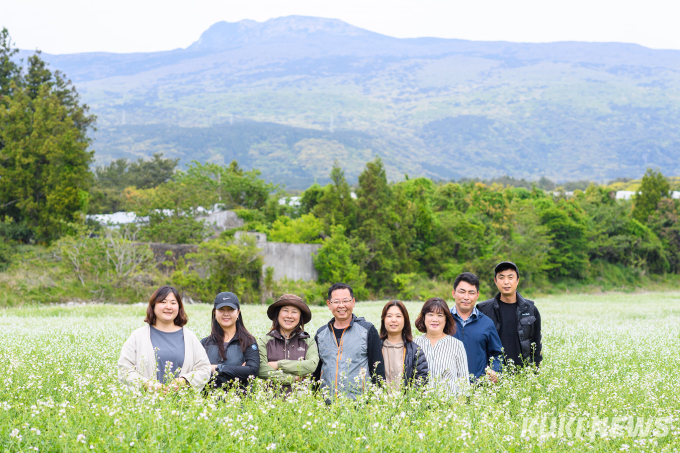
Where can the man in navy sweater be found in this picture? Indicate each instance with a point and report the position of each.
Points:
(476, 330)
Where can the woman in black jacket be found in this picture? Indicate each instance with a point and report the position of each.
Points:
(232, 350)
(401, 355)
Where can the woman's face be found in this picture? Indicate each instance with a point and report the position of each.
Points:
(166, 310)
(226, 316)
(289, 318)
(435, 323)
(394, 321)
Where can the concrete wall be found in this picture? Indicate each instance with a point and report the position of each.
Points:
(223, 220)
(292, 261)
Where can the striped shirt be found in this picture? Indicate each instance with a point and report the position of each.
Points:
(447, 362)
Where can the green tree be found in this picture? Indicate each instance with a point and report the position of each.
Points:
(336, 206)
(304, 230)
(234, 266)
(146, 174)
(566, 224)
(414, 200)
(653, 188)
(44, 165)
(376, 220)
(114, 175)
(44, 146)
(529, 244)
(111, 180)
(336, 261)
(665, 223)
(616, 237)
(37, 75)
(10, 71)
(142, 174)
(310, 198)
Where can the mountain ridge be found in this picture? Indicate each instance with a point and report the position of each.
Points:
(430, 106)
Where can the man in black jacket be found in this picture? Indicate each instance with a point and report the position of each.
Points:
(517, 319)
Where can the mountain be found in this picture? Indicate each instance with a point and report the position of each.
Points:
(292, 94)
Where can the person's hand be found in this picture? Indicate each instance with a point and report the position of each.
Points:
(493, 376)
(213, 369)
(177, 384)
(152, 386)
(274, 365)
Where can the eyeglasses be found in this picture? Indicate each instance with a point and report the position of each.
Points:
(341, 302)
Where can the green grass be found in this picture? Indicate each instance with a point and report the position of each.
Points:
(607, 355)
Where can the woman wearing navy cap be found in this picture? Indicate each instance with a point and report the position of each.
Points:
(232, 350)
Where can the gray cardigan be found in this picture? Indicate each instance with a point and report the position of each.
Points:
(137, 362)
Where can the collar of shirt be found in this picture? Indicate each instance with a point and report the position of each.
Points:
(474, 313)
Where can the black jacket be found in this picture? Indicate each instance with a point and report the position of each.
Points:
(232, 367)
(528, 326)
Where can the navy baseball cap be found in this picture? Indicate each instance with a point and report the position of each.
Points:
(227, 299)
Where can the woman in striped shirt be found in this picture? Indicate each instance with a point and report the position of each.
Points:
(445, 354)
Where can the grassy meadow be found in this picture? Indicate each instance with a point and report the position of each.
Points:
(608, 383)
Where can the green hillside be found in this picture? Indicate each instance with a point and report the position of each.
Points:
(290, 95)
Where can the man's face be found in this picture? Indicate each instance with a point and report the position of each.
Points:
(466, 296)
(341, 304)
(507, 282)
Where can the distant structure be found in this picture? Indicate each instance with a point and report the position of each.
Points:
(222, 220)
(624, 194)
(117, 219)
(290, 201)
(628, 194)
(292, 261)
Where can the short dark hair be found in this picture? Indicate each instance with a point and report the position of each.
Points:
(436, 305)
(406, 332)
(467, 277)
(337, 286)
(158, 296)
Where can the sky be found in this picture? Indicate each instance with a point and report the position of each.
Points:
(71, 26)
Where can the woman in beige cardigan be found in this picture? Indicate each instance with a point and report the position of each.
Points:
(164, 355)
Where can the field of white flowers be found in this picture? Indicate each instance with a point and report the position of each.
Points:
(609, 382)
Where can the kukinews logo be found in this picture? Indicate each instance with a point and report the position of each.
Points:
(592, 427)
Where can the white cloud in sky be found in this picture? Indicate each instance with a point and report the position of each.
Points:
(68, 26)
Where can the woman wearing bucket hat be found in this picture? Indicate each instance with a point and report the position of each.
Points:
(287, 352)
